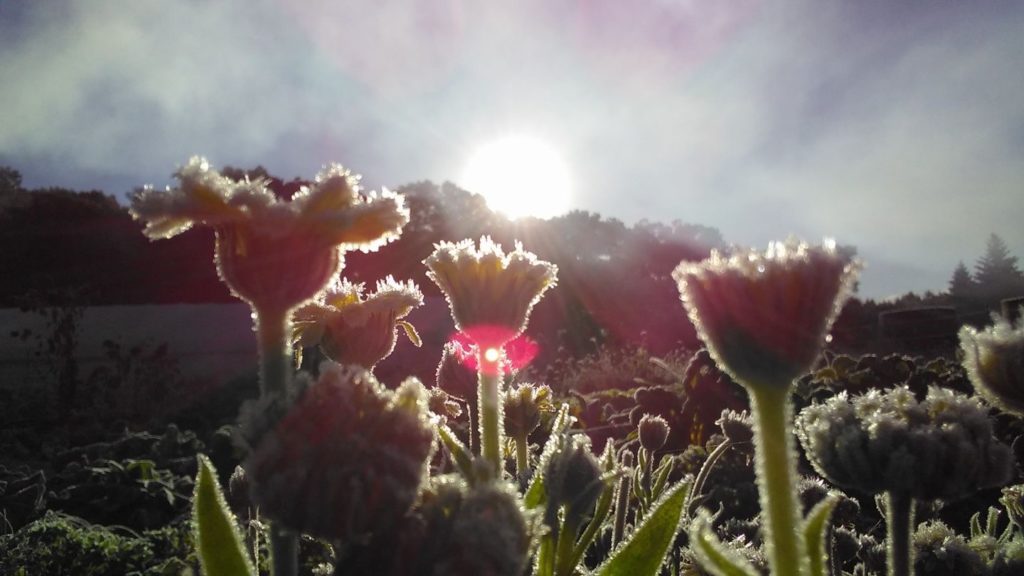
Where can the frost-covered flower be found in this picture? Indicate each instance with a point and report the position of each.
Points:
(653, 432)
(939, 448)
(348, 459)
(352, 327)
(273, 253)
(764, 315)
(490, 293)
(994, 359)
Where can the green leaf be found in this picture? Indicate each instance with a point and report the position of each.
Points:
(536, 494)
(644, 551)
(714, 556)
(218, 542)
(463, 458)
(815, 530)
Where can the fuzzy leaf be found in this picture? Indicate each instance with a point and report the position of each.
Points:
(714, 556)
(644, 551)
(815, 530)
(218, 542)
(463, 458)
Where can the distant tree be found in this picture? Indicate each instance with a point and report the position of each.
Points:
(962, 285)
(996, 272)
(10, 180)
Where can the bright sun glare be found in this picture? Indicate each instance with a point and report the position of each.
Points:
(519, 176)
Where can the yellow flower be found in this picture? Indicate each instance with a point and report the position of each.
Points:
(273, 253)
(490, 293)
(764, 316)
(355, 328)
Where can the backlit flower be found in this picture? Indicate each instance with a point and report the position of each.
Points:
(352, 327)
(348, 459)
(994, 359)
(490, 293)
(273, 253)
(764, 316)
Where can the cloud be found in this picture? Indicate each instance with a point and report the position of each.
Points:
(894, 126)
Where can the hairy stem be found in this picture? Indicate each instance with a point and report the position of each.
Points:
(776, 471)
(899, 517)
(522, 455)
(489, 395)
(702, 476)
(622, 499)
(273, 328)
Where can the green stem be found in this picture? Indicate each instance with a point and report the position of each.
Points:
(273, 328)
(776, 471)
(899, 516)
(622, 499)
(545, 557)
(566, 546)
(522, 456)
(489, 395)
(697, 490)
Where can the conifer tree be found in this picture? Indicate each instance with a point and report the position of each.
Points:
(996, 272)
(962, 285)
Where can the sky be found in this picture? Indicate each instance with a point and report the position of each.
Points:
(894, 126)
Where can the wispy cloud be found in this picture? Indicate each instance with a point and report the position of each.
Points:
(894, 126)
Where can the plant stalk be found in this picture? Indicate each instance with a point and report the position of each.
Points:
(776, 473)
(489, 395)
(273, 328)
(522, 456)
(899, 517)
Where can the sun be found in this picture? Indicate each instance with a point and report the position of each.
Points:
(519, 176)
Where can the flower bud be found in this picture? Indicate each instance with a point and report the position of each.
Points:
(738, 427)
(524, 406)
(653, 432)
(572, 478)
(348, 459)
(489, 534)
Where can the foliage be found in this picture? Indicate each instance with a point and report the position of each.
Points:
(59, 544)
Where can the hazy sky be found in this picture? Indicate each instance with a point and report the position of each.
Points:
(895, 126)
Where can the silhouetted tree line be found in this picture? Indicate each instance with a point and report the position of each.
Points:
(614, 280)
